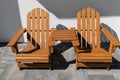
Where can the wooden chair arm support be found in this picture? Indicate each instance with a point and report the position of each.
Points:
(14, 40)
(75, 43)
(51, 49)
(117, 45)
(51, 43)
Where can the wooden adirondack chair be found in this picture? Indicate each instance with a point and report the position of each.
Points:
(89, 53)
(37, 52)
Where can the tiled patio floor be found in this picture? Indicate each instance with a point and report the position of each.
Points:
(10, 71)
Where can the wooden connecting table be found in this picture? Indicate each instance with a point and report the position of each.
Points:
(65, 35)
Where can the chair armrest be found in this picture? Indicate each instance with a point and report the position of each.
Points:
(72, 28)
(16, 37)
(52, 29)
(14, 40)
(110, 37)
(113, 41)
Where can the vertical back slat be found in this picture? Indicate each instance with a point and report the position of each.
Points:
(38, 27)
(83, 27)
(90, 28)
(93, 28)
(98, 29)
(47, 28)
(79, 27)
(79, 21)
(33, 27)
(88, 25)
(28, 29)
(43, 28)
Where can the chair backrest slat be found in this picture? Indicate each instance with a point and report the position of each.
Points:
(43, 28)
(83, 28)
(88, 21)
(37, 28)
(93, 27)
(33, 27)
(98, 29)
(28, 30)
(79, 27)
(47, 29)
(78, 21)
(88, 26)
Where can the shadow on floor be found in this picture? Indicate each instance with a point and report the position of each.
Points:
(3, 44)
(58, 61)
(115, 64)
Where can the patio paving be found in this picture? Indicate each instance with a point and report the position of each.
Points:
(63, 68)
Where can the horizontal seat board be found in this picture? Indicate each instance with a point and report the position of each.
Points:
(33, 57)
(95, 59)
(33, 54)
(33, 60)
(94, 55)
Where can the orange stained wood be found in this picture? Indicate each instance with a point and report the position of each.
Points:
(89, 19)
(37, 50)
(63, 35)
(37, 28)
(89, 53)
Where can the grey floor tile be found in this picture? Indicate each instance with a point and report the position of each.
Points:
(101, 77)
(37, 74)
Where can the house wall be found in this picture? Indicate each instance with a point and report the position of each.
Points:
(13, 13)
(10, 20)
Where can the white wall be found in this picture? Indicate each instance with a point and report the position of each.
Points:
(13, 17)
(13, 13)
(66, 11)
(27, 5)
